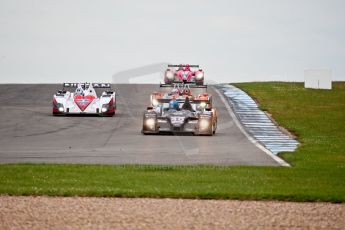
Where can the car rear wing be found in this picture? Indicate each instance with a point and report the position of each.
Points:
(190, 85)
(191, 66)
(85, 85)
(192, 101)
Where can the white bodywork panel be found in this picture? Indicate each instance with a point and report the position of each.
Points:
(67, 100)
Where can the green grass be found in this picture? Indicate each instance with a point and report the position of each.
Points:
(317, 117)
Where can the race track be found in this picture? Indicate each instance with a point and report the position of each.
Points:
(29, 133)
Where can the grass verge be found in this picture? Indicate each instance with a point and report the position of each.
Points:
(317, 117)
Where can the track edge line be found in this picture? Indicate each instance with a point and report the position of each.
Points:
(249, 137)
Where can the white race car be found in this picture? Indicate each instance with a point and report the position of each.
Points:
(84, 100)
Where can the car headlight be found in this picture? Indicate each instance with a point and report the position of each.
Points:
(154, 102)
(169, 75)
(203, 105)
(105, 108)
(60, 109)
(199, 76)
(204, 124)
(150, 122)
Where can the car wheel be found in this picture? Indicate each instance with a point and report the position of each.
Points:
(211, 133)
(214, 128)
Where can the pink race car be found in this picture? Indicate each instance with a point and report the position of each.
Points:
(184, 74)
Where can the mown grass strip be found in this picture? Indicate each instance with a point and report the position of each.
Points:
(317, 117)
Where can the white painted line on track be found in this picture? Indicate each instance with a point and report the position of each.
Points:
(250, 138)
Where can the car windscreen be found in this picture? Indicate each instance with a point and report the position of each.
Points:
(165, 106)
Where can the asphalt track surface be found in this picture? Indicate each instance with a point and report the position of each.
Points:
(29, 133)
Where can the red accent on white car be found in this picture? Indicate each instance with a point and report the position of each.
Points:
(83, 101)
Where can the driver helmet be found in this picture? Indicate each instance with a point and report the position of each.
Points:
(175, 91)
(79, 90)
(173, 105)
(186, 91)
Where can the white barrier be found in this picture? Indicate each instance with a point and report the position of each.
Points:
(318, 79)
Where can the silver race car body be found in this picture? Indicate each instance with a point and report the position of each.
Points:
(194, 115)
(84, 100)
(184, 121)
